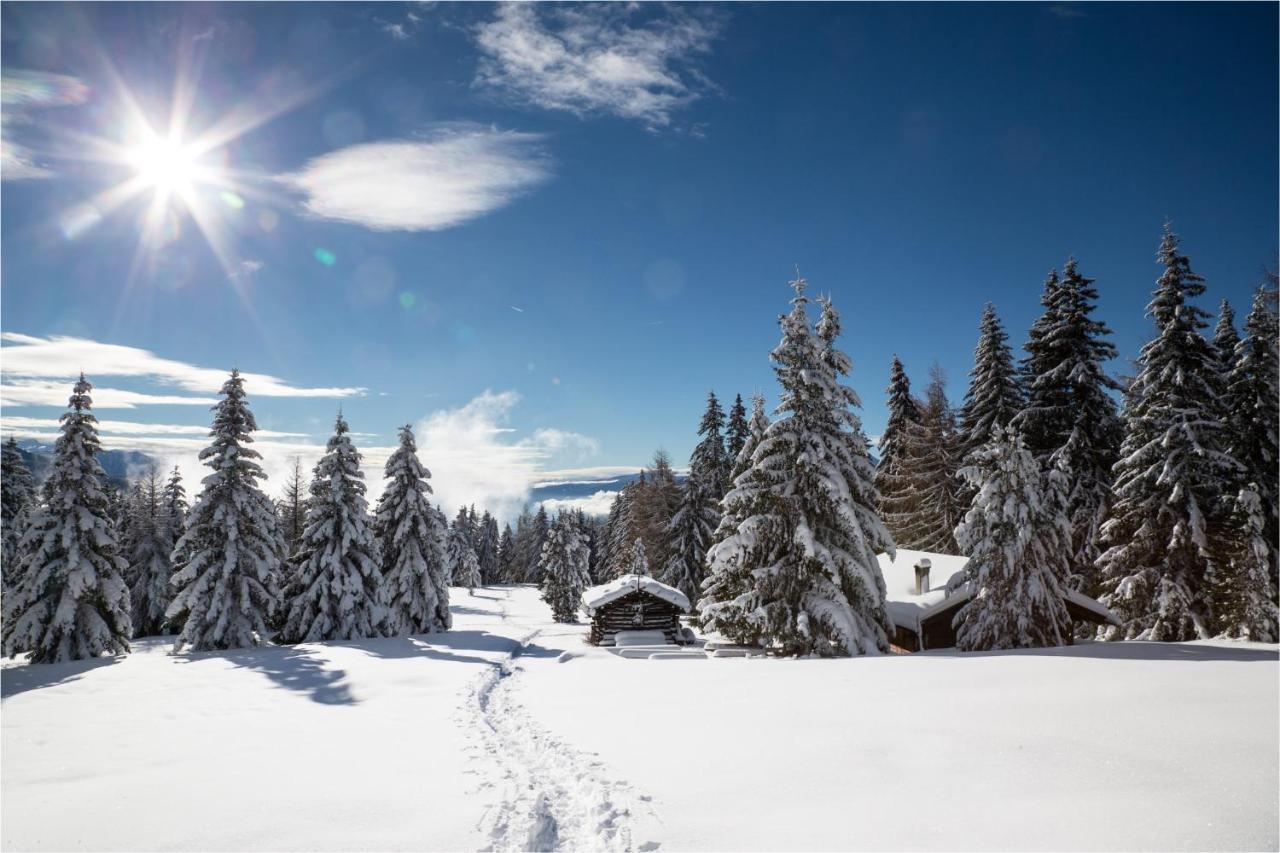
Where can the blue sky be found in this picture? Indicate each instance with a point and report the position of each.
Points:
(543, 233)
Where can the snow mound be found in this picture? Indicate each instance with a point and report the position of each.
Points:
(598, 596)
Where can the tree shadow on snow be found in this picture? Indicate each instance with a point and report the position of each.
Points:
(452, 646)
(1139, 650)
(289, 667)
(33, 676)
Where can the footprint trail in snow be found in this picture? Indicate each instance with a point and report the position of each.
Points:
(549, 795)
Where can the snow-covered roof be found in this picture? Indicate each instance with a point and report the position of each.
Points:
(909, 610)
(1092, 605)
(599, 596)
(904, 606)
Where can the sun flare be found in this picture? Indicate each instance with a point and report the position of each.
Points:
(165, 165)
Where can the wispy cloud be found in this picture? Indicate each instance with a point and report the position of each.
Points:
(22, 94)
(596, 503)
(1062, 10)
(476, 458)
(246, 269)
(38, 371)
(455, 175)
(620, 59)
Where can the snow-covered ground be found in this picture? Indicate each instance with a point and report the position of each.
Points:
(511, 733)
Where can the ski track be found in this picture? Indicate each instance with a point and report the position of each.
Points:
(550, 796)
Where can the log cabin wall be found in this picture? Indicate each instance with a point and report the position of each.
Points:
(619, 615)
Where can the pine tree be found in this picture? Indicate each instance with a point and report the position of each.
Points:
(152, 539)
(531, 553)
(293, 508)
(1015, 534)
(1253, 389)
(564, 570)
(994, 396)
(799, 572)
(464, 567)
(1042, 420)
(506, 555)
(335, 589)
(899, 500)
(737, 430)
(71, 601)
(637, 562)
(934, 470)
(623, 529)
(414, 576)
(226, 562)
(17, 497)
(690, 535)
(487, 547)
(1225, 337)
(708, 456)
(1163, 532)
(1244, 595)
(656, 499)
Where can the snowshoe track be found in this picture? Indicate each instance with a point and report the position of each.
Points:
(551, 797)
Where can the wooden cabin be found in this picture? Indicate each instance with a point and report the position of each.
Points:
(924, 591)
(634, 603)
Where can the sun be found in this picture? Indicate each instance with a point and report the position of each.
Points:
(166, 165)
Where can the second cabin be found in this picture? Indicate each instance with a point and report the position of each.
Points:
(634, 603)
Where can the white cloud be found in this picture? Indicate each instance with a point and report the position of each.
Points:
(22, 93)
(39, 372)
(429, 184)
(597, 503)
(620, 59)
(474, 457)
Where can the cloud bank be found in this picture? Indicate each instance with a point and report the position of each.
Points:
(37, 371)
(617, 59)
(421, 185)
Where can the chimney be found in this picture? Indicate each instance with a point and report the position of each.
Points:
(922, 575)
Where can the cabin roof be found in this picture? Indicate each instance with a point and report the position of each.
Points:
(910, 611)
(598, 596)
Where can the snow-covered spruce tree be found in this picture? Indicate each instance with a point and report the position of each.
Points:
(531, 556)
(898, 446)
(71, 601)
(414, 577)
(564, 570)
(1015, 535)
(17, 496)
(464, 567)
(690, 535)
(151, 541)
(622, 530)
(1225, 337)
(225, 564)
(1165, 528)
(173, 512)
(736, 430)
(1070, 422)
(1253, 389)
(335, 590)
(506, 554)
(1041, 422)
(1244, 596)
(637, 562)
(708, 456)
(799, 572)
(994, 396)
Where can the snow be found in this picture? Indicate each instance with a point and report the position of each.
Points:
(510, 732)
(599, 596)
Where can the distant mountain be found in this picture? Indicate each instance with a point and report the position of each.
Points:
(116, 464)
